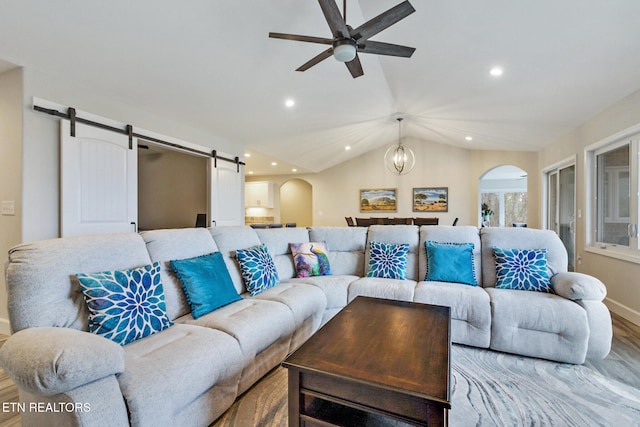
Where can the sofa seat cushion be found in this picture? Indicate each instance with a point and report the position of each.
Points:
(303, 300)
(470, 310)
(396, 289)
(335, 287)
(307, 304)
(539, 325)
(166, 372)
(255, 323)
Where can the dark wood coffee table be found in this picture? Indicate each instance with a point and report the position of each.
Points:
(382, 357)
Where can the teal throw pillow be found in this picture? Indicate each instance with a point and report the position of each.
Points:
(125, 306)
(310, 259)
(523, 269)
(450, 262)
(206, 283)
(388, 260)
(258, 270)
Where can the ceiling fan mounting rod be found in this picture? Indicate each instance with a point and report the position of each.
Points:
(344, 10)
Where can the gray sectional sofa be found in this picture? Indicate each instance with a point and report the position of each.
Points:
(190, 373)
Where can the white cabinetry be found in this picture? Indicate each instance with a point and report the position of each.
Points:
(258, 194)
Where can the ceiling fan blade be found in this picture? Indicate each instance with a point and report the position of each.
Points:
(380, 48)
(315, 60)
(334, 19)
(355, 67)
(298, 38)
(382, 21)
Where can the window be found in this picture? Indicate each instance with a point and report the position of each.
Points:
(613, 215)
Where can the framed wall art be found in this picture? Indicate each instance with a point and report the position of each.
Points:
(431, 199)
(378, 200)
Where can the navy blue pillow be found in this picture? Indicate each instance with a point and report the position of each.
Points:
(450, 262)
(206, 283)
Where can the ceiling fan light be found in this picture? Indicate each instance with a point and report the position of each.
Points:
(344, 50)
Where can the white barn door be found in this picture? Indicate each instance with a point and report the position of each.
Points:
(226, 190)
(98, 181)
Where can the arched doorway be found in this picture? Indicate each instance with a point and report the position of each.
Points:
(296, 203)
(503, 197)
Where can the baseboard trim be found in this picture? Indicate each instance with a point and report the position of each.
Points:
(622, 310)
(5, 327)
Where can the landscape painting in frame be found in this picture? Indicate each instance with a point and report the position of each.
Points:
(378, 200)
(434, 199)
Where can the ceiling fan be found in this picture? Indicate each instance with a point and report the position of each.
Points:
(347, 42)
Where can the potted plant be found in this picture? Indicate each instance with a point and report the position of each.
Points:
(486, 212)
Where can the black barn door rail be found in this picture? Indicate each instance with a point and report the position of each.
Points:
(71, 116)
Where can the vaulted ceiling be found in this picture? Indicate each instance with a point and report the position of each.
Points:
(211, 65)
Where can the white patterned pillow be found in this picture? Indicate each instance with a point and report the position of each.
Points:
(258, 269)
(125, 306)
(388, 260)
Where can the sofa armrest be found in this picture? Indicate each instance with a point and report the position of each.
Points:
(578, 286)
(47, 361)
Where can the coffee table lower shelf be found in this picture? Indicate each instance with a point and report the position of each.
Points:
(345, 403)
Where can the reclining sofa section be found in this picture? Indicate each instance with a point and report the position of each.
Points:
(190, 373)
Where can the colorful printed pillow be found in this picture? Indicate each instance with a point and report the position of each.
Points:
(523, 269)
(388, 260)
(310, 259)
(450, 262)
(206, 283)
(257, 268)
(125, 306)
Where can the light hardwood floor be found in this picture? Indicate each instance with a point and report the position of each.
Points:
(622, 364)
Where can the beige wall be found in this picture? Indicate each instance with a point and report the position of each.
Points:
(296, 203)
(172, 189)
(10, 173)
(336, 190)
(621, 277)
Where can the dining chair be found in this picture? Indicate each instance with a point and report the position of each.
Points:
(365, 222)
(350, 222)
(426, 221)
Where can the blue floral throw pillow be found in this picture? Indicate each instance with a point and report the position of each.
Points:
(388, 260)
(257, 268)
(522, 269)
(125, 306)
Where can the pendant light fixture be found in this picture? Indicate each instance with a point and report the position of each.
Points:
(399, 159)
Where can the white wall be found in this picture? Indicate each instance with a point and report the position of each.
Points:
(336, 190)
(621, 277)
(10, 173)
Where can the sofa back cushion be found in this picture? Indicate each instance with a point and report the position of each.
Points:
(229, 239)
(176, 244)
(41, 284)
(397, 234)
(277, 241)
(346, 246)
(520, 238)
(450, 234)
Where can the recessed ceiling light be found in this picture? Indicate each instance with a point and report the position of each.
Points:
(294, 170)
(289, 103)
(274, 164)
(496, 71)
(247, 154)
(250, 172)
(468, 138)
(347, 148)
